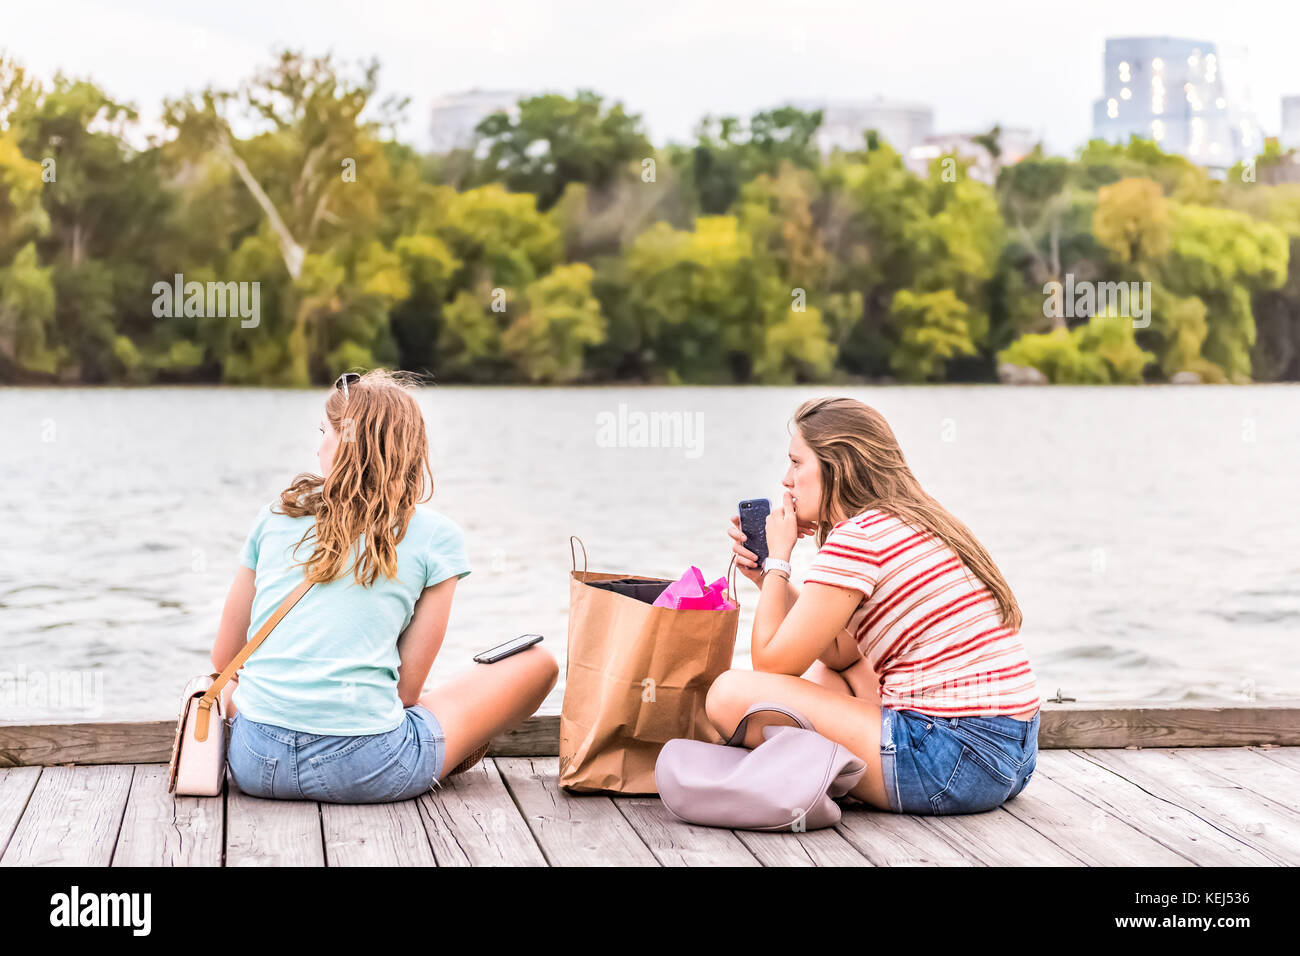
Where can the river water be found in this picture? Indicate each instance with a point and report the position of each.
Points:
(1151, 534)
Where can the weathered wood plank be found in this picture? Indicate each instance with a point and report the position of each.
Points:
(1104, 807)
(1063, 727)
(997, 838)
(571, 829)
(271, 832)
(1170, 823)
(1140, 724)
(1098, 818)
(891, 839)
(824, 847)
(150, 741)
(16, 786)
(1287, 756)
(163, 829)
(1256, 773)
(375, 834)
(1223, 803)
(675, 843)
(72, 818)
(87, 742)
(472, 821)
(538, 736)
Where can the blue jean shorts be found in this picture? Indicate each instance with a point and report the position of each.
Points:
(944, 765)
(275, 762)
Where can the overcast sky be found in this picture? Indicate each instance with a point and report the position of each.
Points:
(1031, 63)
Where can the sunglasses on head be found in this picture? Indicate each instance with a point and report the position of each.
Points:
(346, 379)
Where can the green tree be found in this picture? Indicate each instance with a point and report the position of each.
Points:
(101, 200)
(554, 140)
(469, 342)
(561, 319)
(729, 152)
(1101, 351)
(1050, 221)
(933, 328)
(708, 307)
(1132, 221)
(314, 169)
(26, 289)
(1223, 257)
(26, 313)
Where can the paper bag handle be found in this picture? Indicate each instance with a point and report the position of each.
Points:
(574, 556)
(731, 582)
(733, 591)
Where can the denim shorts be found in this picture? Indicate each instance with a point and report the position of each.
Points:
(944, 765)
(275, 762)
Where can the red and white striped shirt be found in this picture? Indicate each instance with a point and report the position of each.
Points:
(931, 630)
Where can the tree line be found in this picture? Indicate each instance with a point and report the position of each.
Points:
(563, 246)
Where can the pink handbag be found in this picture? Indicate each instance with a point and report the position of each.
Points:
(786, 783)
(198, 764)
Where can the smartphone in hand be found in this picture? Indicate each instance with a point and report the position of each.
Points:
(753, 525)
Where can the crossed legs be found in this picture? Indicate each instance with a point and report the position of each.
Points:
(843, 705)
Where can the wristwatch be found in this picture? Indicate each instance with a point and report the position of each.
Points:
(776, 564)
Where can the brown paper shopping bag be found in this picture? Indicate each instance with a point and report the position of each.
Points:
(636, 678)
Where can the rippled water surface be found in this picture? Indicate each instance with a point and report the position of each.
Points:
(1151, 534)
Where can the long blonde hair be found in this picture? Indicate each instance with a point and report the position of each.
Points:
(862, 467)
(376, 479)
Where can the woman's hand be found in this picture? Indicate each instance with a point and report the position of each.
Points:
(746, 560)
(782, 528)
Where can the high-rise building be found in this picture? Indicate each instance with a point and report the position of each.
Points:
(845, 123)
(452, 118)
(1290, 136)
(1190, 96)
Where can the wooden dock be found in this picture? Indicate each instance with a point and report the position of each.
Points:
(1232, 800)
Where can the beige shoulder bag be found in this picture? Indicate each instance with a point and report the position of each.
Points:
(198, 761)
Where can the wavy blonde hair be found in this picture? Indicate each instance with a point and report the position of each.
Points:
(380, 472)
(862, 467)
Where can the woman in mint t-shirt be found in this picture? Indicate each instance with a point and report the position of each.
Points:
(329, 707)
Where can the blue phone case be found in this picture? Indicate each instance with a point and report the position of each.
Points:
(753, 525)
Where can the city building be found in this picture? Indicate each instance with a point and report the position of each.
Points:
(453, 118)
(1290, 136)
(845, 123)
(1190, 96)
(1013, 145)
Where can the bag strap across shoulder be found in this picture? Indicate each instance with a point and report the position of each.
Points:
(210, 696)
(738, 736)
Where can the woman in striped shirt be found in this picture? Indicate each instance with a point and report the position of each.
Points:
(903, 643)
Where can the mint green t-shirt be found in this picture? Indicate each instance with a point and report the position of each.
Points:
(331, 664)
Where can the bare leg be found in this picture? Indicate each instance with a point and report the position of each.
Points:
(863, 681)
(847, 719)
(824, 676)
(491, 699)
